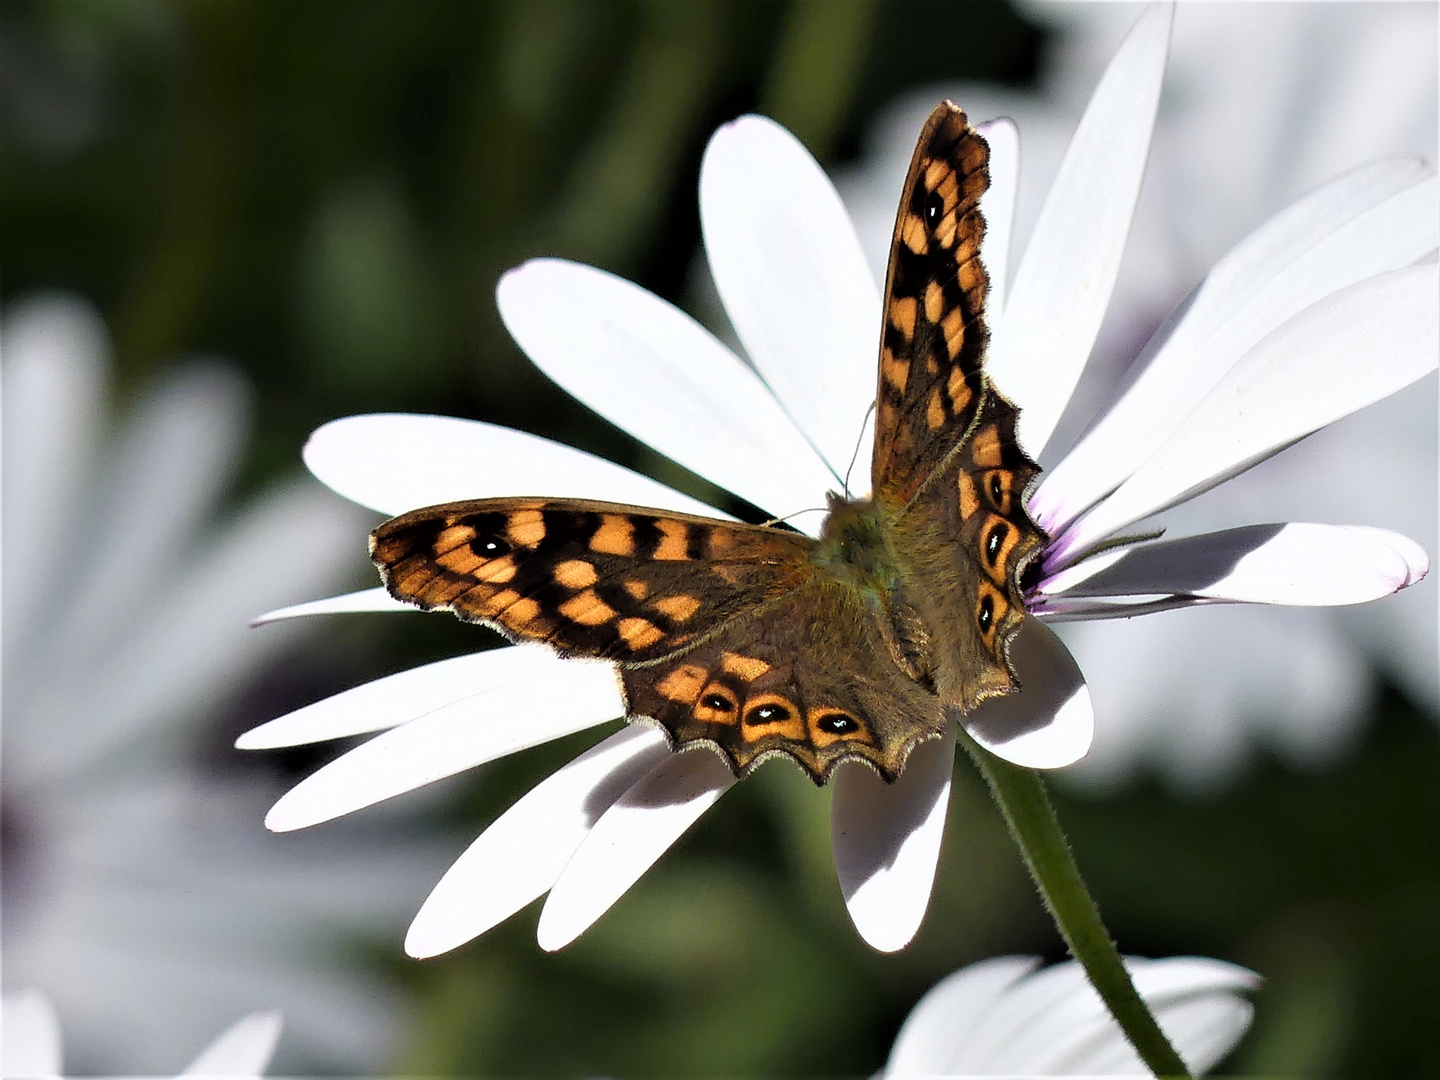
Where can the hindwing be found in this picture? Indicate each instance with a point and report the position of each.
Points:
(808, 676)
(977, 538)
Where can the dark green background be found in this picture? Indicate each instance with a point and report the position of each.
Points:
(326, 192)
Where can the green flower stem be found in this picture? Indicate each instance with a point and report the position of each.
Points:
(1021, 796)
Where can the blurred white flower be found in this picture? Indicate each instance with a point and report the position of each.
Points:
(33, 1047)
(134, 893)
(1263, 103)
(1004, 1017)
(1326, 281)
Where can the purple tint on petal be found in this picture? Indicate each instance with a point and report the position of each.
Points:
(1298, 563)
(1417, 560)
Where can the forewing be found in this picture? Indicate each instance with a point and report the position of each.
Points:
(593, 579)
(933, 341)
(972, 521)
(807, 676)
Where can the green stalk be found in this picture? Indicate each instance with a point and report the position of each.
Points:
(1021, 796)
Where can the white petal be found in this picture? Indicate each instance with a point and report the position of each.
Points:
(1062, 609)
(394, 462)
(1017, 1032)
(451, 739)
(1295, 563)
(627, 840)
(1338, 356)
(56, 354)
(522, 853)
(887, 841)
(244, 1049)
(1373, 220)
(1204, 1030)
(1050, 722)
(997, 206)
(163, 476)
(1196, 1002)
(376, 599)
(1417, 562)
(1175, 977)
(32, 1035)
(1061, 290)
(404, 696)
(192, 647)
(1053, 1022)
(943, 1019)
(650, 369)
(1061, 582)
(791, 273)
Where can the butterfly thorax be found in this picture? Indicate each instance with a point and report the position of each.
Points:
(858, 549)
(855, 545)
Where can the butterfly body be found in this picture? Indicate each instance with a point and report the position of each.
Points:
(758, 640)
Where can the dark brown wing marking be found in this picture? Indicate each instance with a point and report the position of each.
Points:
(934, 337)
(807, 676)
(589, 578)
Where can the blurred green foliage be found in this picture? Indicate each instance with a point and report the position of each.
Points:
(326, 191)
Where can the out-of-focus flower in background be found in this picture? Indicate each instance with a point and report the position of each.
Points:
(33, 1046)
(137, 894)
(1263, 103)
(1003, 1016)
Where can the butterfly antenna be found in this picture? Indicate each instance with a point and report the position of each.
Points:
(855, 454)
(787, 517)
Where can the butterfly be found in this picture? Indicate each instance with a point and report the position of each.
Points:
(758, 640)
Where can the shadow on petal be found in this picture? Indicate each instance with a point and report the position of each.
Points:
(1049, 723)
(887, 841)
(627, 840)
(1187, 565)
(1299, 563)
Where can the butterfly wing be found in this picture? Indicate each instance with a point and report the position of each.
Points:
(972, 522)
(593, 579)
(724, 633)
(933, 342)
(945, 447)
(807, 676)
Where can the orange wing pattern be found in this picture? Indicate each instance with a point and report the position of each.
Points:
(588, 578)
(934, 338)
(808, 677)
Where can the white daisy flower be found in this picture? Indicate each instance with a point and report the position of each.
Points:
(134, 895)
(1265, 354)
(1005, 1016)
(33, 1046)
(1263, 103)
